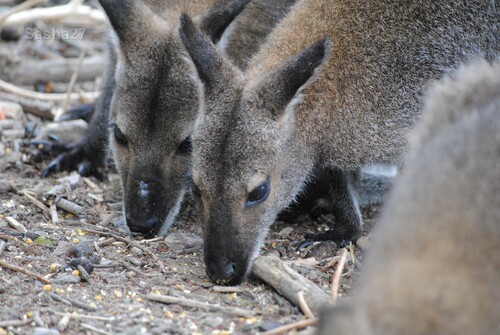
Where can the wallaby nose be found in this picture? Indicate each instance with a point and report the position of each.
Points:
(224, 274)
(146, 226)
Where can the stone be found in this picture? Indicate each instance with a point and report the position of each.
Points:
(181, 241)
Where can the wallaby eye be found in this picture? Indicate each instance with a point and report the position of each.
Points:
(259, 194)
(185, 148)
(119, 137)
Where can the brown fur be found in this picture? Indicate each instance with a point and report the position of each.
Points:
(295, 109)
(434, 267)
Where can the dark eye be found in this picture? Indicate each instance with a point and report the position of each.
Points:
(259, 194)
(119, 137)
(185, 147)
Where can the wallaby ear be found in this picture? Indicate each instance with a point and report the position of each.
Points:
(133, 22)
(203, 52)
(220, 16)
(277, 89)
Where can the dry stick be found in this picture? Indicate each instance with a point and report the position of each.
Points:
(227, 289)
(291, 326)
(58, 97)
(16, 268)
(84, 325)
(64, 322)
(304, 307)
(289, 282)
(53, 214)
(37, 319)
(202, 305)
(70, 206)
(336, 277)
(14, 323)
(36, 202)
(71, 301)
(57, 13)
(16, 225)
(72, 81)
(2, 246)
(91, 317)
(19, 8)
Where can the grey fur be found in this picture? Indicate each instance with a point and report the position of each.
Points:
(285, 117)
(434, 266)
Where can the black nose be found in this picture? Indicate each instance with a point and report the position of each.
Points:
(224, 274)
(147, 226)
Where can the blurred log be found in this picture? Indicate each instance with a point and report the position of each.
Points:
(30, 72)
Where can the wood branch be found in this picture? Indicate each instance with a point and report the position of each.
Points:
(296, 325)
(71, 12)
(14, 323)
(72, 81)
(30, 72)
(38, 108)
(202, 305)
(69, 301)
(19, 8)
(337, 275)
(59, 97)
(289, 282)
(16, 268)
(70, 207)
(16, 225)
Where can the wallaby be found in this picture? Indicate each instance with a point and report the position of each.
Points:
(434, 266)
(337, 84)
(156, 101)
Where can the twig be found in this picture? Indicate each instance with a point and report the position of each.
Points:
(70, 206)
(64, 322)
(94, 329)
(58, 97)
(289, 282)
(19, 8)
(90, 317)
(70, 301)
(2, 246)
(202, 305)
(83, 273)
(296, 325)
(304, 306)
(107, 220)
(14, 323)
(336, 277)
(16, 268)
(16, 225)
(227, 289)
(72, 81)
(36, 202)
(53, 214)
(57, 13)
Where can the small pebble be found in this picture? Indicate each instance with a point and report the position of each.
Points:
(136, 251)
(67, 278)
(285, 232)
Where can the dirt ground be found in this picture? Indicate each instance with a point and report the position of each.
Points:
(51, 242)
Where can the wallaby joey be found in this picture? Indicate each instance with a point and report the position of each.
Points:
(434, 266)
(337, 84)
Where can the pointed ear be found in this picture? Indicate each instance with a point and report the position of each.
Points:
(276, 90)
(207, 59)
(220, 16)
(133, 22)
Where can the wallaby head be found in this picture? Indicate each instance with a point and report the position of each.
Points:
(241, 194)
(154, 108)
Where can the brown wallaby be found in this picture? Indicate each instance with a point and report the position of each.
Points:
(156, 101)
(434, 266)
(307, 101)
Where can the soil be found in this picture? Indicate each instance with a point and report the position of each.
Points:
(112, 299)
